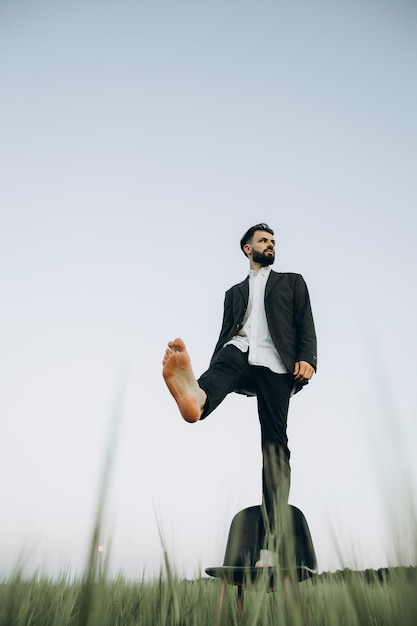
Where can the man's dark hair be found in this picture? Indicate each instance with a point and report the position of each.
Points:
(249, 234)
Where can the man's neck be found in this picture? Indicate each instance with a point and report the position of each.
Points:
(255, 267)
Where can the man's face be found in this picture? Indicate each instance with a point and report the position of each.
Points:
(263, 248)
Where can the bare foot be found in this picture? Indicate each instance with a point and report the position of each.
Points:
(181, 382)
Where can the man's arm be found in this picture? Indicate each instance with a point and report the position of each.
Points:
(306, 362)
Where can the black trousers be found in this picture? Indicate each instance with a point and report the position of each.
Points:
(230, 371)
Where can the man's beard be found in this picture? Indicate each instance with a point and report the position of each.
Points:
(262, 258)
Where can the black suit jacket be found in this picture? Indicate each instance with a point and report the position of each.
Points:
(289, 316)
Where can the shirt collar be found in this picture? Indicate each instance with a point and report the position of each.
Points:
(265, 271)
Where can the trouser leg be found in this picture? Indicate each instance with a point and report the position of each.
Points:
(279, 535)
(226, 374)
(273, 393)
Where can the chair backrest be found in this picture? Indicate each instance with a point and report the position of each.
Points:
(245, 538)
(247, 533)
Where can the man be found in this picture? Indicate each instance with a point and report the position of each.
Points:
(267, 348)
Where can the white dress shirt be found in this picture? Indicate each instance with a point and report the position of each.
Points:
(254, 334)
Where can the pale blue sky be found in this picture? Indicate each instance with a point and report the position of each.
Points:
(139, 140)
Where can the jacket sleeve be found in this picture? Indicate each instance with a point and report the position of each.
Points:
(227, 325)
(304, 324)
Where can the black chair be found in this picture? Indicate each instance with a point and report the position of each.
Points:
(246, 536)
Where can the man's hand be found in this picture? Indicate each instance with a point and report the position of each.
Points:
(303, 370)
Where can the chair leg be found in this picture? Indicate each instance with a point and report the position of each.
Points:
(220, 599)
(239, 607)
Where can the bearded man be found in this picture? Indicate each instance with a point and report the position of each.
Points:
(266, 348)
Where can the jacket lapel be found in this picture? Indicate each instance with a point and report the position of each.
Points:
(273, 279)
(244, 289)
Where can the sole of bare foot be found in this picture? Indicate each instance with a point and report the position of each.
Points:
(180, 380)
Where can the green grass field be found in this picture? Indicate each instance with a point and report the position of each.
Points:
(384, 598)
(347, 598)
